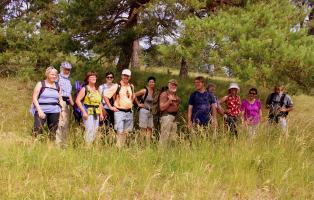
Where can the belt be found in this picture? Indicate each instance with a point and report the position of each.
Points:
(149, 109)
(124, 110)
(91, 106)
(52, 103)
(169, 113)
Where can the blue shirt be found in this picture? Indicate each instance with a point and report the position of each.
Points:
(65, 85)
(201, 103)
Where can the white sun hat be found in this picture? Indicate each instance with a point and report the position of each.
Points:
(234, 85)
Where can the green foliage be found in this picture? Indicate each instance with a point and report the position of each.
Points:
(256, 42)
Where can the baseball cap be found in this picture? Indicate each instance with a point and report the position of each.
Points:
(126, 72)
(66, 65)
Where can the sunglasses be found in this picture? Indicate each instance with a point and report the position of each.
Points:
(253, 93)
(109, 77)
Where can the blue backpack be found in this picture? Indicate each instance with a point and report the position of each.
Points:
(78, 115)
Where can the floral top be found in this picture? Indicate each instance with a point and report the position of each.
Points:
(233, 104)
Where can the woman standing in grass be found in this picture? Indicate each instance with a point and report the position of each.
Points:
(92, 101)
(146, 121)
(251, 109)
(108, 114)
(232, 111)
(46, 107)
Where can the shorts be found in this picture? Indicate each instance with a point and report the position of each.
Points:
(123, 121)
(146, 119)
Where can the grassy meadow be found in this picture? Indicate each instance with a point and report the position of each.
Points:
(268, 167)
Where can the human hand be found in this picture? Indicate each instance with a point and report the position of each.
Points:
(85, 115)
(41, 114)
(114, 109)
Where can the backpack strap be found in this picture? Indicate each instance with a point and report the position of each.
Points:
(43, 87)
(282, 99)
(145, 96)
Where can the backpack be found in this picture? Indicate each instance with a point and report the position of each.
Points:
(111, 100)
(32, 109)
(119, 88)
(156, 108)
(276, 107)
(141, 99)
(43, 87)
(76, 110)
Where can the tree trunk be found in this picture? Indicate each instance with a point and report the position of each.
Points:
(184, 69)
(128, 35)
(311, 24)
(125, 57)
(135, 62)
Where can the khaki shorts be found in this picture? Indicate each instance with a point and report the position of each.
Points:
(145, 119)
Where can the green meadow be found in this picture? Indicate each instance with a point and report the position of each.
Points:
(270, 166)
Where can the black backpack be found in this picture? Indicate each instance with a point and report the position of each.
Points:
(155, 107)
(272, 101)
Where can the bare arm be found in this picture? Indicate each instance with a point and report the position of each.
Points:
(164, 102)
(221, 101)
(214, 114)
(140, 93)
(36, 91)
(190, 108)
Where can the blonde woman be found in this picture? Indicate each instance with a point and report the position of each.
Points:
(46, 107)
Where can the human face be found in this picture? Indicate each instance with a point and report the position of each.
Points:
(151, 84)
(172, 87)
(233, 91)
(66, 71)
(199, 85)
(212, 90)
(252, 94)
(109, 78)
(125, 78)
(92, 79)
(52, 77)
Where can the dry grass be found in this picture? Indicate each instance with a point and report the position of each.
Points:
(269, 167)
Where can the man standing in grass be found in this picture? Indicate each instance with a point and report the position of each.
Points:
(202, 106)
(67, 101)
(123, 94)
(279, 104)
(169, 106)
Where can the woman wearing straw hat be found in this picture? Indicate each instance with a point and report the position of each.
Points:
(232, 111)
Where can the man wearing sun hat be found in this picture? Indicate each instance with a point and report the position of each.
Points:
(67, 101)
(123, 94)
(169, 106)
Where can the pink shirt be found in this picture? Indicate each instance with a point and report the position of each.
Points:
(251, 111)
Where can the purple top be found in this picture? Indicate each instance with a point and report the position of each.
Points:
(251, 111)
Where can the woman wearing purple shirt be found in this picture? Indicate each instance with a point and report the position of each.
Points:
(251, 109)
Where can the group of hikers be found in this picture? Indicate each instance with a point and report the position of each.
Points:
(111, 105)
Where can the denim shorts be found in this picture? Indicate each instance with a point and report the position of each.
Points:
(146, 119)
(123, 121)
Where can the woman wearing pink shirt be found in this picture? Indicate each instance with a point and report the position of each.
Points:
(251, 109)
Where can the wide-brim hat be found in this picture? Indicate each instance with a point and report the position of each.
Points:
(234, 85)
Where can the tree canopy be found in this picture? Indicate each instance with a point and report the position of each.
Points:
(259, 41)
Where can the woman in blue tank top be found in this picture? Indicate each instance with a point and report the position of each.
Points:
(46, 107)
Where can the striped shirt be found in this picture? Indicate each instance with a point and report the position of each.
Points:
(65, 85)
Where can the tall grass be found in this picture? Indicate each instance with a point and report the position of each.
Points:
(267, 167)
